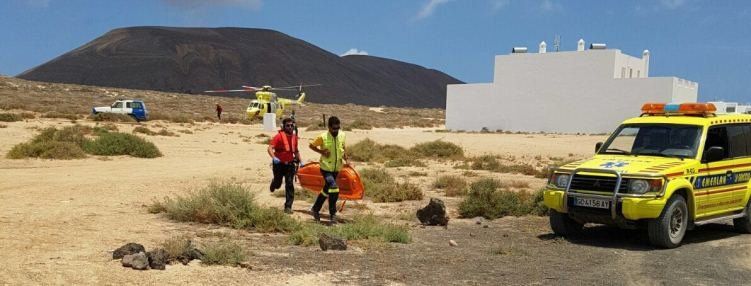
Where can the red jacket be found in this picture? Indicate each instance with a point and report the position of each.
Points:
(284, 146)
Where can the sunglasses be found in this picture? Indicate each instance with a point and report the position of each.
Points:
(289, 125)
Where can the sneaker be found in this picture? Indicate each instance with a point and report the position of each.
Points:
(316, 216)
(287, 211)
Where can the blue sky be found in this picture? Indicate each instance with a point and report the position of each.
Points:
(704, 41)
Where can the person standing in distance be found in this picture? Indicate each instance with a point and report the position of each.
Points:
(219, 111)
(284, 155)
(330, 145)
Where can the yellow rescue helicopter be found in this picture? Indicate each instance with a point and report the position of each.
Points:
(266, 101)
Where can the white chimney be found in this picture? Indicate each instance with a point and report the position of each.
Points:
(580, 45)
(543, 47)
(645, 58)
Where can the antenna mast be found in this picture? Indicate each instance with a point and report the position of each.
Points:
(557, 43)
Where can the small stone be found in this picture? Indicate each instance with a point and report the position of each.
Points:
(158, 259)
(471, 234)
(485, 226)
(453, 243)
(128, 248)
(140, 261)
(246, 265)
(330, 242)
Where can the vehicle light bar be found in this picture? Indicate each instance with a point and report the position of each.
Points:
(678, 109)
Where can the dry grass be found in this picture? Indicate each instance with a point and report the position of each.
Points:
(491, 198)
(10, 117)
(45, 97)
(223, 252)
(453, 186)
(381, 187)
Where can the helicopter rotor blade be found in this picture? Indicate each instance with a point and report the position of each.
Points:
(228, 90)
(295, 87)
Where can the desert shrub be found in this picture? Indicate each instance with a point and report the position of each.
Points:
(143, 130)
(485, 162)
(181, 119)
(438, 149)
(381, 187)
(369, 151)
(223, 252)
(490, 199)
(364, 227)
(112, 117)
(523, 169)
(165, 132)
(47, 150)
(359, 124)
(537, 204)
(109, 144)
(3, 126)
(55, 114)
(452, 185)
(64, 144)
(10, 117)
(185, 131)
(107, 126)
(226, 204)
(404, 162)
(28, 115)
(176, 246)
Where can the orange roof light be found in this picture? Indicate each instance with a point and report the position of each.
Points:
(702, 109)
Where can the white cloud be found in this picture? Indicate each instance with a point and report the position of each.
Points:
(550, 5)
(499, 4)
(354, 51)
(672, 4)
(429, 8)
(195, 4)
(38, 3)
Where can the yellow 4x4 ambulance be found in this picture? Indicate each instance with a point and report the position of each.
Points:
(674, 167)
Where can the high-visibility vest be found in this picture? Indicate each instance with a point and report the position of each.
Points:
(333, 162)
(288, 148)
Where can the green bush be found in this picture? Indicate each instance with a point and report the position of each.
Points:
(176, 246)
(55, 114)
(109, 144)
(452, 185)
(404, 162)
(381, 187)
(64, 144)
(225, 204)
(537, 204)
(438, 149)
(489, 198)
(359, 124)
(10, 117)
(369, 151)
(143, 130)
(224, 252)
(485, 162)
(365, 227)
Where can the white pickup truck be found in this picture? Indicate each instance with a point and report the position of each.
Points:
(132, 107)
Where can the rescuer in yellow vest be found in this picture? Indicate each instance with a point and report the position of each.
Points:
(330, 145)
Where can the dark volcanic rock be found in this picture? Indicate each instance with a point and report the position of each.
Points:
(129, 248)
(158, 259)
(433, 214)
(191, 60)
(329, 242)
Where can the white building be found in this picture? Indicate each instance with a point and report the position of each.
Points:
(731, 107)
(589, 91)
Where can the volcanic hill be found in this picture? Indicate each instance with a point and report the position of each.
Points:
(191, 60)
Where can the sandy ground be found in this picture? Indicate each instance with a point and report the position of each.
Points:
(60, 220)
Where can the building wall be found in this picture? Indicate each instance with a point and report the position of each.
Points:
(560, 92)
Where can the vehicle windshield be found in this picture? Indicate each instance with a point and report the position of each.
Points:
(253, 104)
(666, 140)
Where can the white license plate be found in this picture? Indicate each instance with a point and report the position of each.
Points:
(592, 203)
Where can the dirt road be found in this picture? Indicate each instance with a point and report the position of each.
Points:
(60, 220)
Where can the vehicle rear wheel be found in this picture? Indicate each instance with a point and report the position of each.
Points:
(669, 229)
(563, 225)
(743, 225)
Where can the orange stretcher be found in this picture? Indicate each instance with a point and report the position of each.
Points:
(349, 182)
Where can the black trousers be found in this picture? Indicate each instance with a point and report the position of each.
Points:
(330, 191)
(286, 171)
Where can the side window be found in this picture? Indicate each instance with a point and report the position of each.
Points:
(738, 140)
(128, 105)
(137, 105)
(717, 136)
(118, 104)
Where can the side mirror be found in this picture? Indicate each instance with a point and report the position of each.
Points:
(714, 153)
(597, 147)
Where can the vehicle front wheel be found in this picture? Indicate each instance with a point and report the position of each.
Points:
(669, 229)
(743, 225)
(563, 225)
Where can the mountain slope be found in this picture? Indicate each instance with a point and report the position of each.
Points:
(191, 60)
